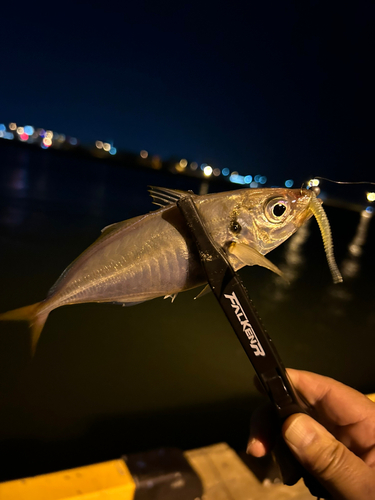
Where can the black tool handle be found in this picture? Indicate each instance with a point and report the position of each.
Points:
(231, 294)
(257, 344)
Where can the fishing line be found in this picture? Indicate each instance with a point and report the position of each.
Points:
(345, 182)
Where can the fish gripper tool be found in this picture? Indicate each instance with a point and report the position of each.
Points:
(239, 310)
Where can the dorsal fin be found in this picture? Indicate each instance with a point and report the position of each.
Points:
(164, 196)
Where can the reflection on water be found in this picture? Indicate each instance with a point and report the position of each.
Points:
(351, 264)
(294, 260)
(18, 182)
(111, 380)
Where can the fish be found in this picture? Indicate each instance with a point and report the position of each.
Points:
(153, 255)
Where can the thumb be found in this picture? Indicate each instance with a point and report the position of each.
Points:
(341, 472)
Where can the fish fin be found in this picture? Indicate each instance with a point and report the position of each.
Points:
(32, 315)
(164, 196)
(204, 291)
(172, 297)
(251, 257)
(108, 227)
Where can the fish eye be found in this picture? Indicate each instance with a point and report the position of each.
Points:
(277, 210)
(235, 227)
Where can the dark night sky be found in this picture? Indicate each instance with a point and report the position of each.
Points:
(259, 87)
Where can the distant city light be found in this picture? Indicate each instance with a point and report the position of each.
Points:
(48, 138)
(6, 135)
(369, 210)
(236, 178)
(313, 182)
(207, 170)
(156, 162)
(29, 130)
(370, 196)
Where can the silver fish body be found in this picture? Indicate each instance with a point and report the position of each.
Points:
(133, 261)
(153, 255)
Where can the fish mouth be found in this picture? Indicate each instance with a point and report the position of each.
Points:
(317, 210)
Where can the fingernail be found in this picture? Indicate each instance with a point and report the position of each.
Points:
(249, 445)
(301, 432)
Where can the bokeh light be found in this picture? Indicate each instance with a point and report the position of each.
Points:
(29, 130)
(207, 170)
(313, 183)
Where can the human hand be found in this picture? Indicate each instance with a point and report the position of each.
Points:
(337, 446)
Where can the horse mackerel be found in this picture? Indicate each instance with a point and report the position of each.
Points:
(153, 255)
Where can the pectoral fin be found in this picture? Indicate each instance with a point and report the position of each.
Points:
(203, 292)
(172, 297)
(251, 257)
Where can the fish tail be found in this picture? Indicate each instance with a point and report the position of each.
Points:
(34, 316)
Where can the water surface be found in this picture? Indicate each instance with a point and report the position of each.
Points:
(108, 380)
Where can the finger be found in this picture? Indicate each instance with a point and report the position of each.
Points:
(346, 413)
(341, 472)
(334, 401)
(264, 429)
